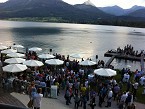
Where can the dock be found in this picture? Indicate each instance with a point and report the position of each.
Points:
(122, 56)
(114, 55)
(109, 61)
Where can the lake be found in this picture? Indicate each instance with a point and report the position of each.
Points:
(63, 38)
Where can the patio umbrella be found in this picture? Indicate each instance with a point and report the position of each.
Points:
(46, 56)
(33, 63)
(128, 66)
(14, 68)
(105, 72)
(15, 55)
(14, 60)
(54, 62)
(17, 46)
(87, 63)
(35, 49)
(77, 56)
(7, 51)
(2, 47)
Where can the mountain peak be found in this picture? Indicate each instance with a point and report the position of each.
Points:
(136, 7)
(88, 3)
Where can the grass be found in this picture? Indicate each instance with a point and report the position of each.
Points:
(139, 97)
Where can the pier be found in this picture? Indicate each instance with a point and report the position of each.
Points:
(122, 56)
(128, 53)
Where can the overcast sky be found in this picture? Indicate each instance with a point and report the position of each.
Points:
(101, 3)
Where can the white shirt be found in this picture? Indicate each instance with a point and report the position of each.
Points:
(135, 85)
(123, 97)
(126, 76)
(110, 94)
(37, 100)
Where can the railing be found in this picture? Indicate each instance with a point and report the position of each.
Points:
(7, 106)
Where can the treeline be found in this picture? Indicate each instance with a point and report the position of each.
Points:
(114, 22)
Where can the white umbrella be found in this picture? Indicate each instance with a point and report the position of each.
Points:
(17, 46)
(46, 56)
(8, 51)
(87, 63)
(35, 49)
(128, 66)
(14, 60)
(33, 63)
(2, 47)
(15, 55)
(54, 62)
(14, 68)
(77, 56)
(105, 72)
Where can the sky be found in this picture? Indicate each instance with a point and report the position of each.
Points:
(102, 3)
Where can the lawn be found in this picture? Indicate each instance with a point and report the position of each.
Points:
(140, 97)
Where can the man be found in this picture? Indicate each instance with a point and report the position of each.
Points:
(135, 87)
(116, 90)
(110, 95)
(37, 99)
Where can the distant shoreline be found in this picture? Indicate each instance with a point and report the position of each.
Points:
(60, 20)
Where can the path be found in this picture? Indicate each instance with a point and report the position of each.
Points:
(59, 103)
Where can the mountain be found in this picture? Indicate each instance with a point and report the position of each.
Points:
(89, 7)
(114, 10)
(43, 8)
(89, 3)
(118, 11)
(137, 13)
(134, 8)
(59, 11)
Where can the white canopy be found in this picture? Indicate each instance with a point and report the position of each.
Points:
(35, 49)
(15, 55)
(128, 66)
(14, 68)
(33, 63)
(17, 46)
(7, 51)
(2, 47)
(46, 56)
(14, 60)
(105, 72)
(87, 63)
(54, 62)
(77, 56)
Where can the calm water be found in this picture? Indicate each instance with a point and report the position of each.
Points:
(74, 38)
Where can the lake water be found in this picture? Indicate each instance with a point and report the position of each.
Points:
(74, 38)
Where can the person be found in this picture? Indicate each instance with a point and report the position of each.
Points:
(116, 90)
(100, 98)
(31, 90)
(67, 96)
(37, 98)
(84, 102)
(135, 87)
(92, 102)
(3, 82)
(110, 95)
(128, 100)
(77, 101)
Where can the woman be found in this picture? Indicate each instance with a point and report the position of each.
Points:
(32, 90)
(37, 98)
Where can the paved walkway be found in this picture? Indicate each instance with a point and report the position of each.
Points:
(59, 103)
(7, 98)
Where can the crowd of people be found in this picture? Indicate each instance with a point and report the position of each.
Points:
(77, 86)
(127, 50)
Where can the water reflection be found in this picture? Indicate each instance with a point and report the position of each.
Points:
(31, 31)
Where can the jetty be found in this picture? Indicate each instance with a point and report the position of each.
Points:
(122, 56)
(127, 54)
